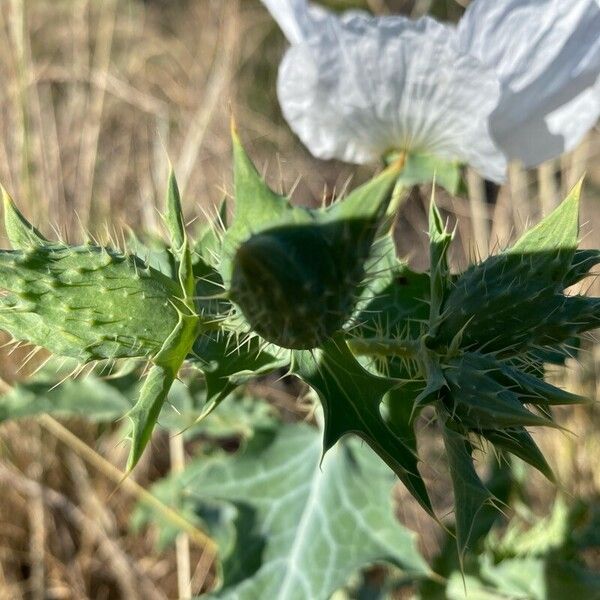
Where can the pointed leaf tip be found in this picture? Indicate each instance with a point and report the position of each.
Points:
(471, 496)
(21, 233)
(174, 213)
(576, 189)
(436, 224)
(558, 231)
(144, 414)
(235, 136)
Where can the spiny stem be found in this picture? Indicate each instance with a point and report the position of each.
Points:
(383, 346)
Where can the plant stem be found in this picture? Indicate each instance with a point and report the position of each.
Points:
(381, 346)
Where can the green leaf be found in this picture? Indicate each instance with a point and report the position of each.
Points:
(86, 302)
(228, 363)
(351, 398)
(477, 400)
(51, 391)
(519, 442)
(21, 233)
(174, 216)
(439, 242)
(541, 579)
(547, 535)
(557, 233)
(302, 535)
(144, 414)
(470, 495)
(468, 587)
(167, 362)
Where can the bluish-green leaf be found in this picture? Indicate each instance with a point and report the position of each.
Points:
(312, 528)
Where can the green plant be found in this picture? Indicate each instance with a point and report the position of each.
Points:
(322, 294)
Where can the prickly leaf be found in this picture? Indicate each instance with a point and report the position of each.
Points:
(478, 401)
(227, 363)
(439, 242)
(21, 234)
(351, 399)
(470, 495)
(158, 382)
(518, 441)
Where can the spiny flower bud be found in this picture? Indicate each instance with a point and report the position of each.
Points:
(295, 273)
(291, 288)
(516, 300)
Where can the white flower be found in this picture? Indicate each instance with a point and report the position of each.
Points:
(546, 54)
(517, 79)
(356, 87)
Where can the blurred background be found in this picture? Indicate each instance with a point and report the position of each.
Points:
(95, 98)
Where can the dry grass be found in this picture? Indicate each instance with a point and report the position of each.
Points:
(95, 97)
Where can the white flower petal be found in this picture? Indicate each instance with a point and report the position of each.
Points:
(296, 18)
(575, 119)
(522, 39)
(367, 86)
(302, 21)
(536, 135)
(547, 56)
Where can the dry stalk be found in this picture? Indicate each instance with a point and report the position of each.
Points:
(479, 213)
(182, 542)
(110, 550)
(126, 483)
